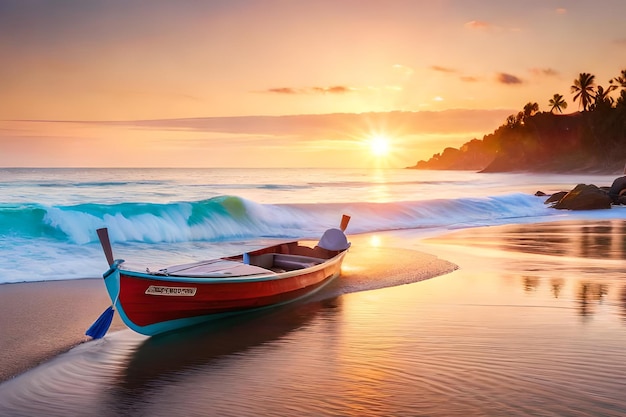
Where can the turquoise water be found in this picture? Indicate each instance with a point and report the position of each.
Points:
(48, 217)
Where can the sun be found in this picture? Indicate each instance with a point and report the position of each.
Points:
(379, 146)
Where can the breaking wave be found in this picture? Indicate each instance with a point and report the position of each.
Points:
(229, 217)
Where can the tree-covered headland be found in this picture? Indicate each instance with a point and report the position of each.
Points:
(590, 140)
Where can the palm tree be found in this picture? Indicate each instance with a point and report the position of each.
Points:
(621, 80)
(557, 103)
(530, 109)
(583, 89)
(602, 95)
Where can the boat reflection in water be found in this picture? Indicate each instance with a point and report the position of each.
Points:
(197, 349)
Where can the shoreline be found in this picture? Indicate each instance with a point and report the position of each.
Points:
(536, 309)
(43, 319)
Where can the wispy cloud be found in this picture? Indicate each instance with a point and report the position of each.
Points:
(448, 70)
(480, 25)
(477, 25)
(442, 69)
(561, 10)
(283, 90)
(336, 89)
(548, 72)
(510, 79)
(469, 79)
(458, 120)
(620, 42)
(269, 141)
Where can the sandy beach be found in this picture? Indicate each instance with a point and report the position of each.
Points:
(40, 320)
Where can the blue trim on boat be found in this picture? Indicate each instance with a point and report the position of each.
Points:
(113, 267)
(113, 287)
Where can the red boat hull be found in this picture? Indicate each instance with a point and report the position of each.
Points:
(149, 300)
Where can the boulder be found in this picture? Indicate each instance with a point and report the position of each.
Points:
(584, 197)
(618, 190)
(556, 197)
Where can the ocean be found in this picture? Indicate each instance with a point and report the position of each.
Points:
(532, 322)
(49, 217)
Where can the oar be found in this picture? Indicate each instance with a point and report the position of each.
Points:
(103, 236)
(100, 327)
(345, 219)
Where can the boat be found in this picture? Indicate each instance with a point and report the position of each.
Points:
(154, 302)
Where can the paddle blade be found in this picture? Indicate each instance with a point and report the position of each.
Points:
(99, 328)
(103, 235)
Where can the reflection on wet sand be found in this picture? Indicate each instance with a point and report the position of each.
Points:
(530, 283)
(194, 348)
(565, 252)
(557, 285)
(172, 358)
(600, 239)
(590, 295)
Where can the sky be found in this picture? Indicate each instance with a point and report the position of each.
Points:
(280, 83)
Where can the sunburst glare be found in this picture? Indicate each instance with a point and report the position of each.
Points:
(380, 146)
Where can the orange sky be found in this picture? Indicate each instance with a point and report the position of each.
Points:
(466, 64)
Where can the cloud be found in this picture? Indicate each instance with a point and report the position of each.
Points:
(282, 90)
(218, 141)
(510, 79)
(336, 89)
(480, 25)
(469, 79)
(448, 70)
(477, 25)
(548, 72)
(457, 120)
(620, 42)
(442, 69)
(561, 10)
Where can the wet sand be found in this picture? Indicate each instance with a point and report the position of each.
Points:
(532, 323)
(40, 320)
